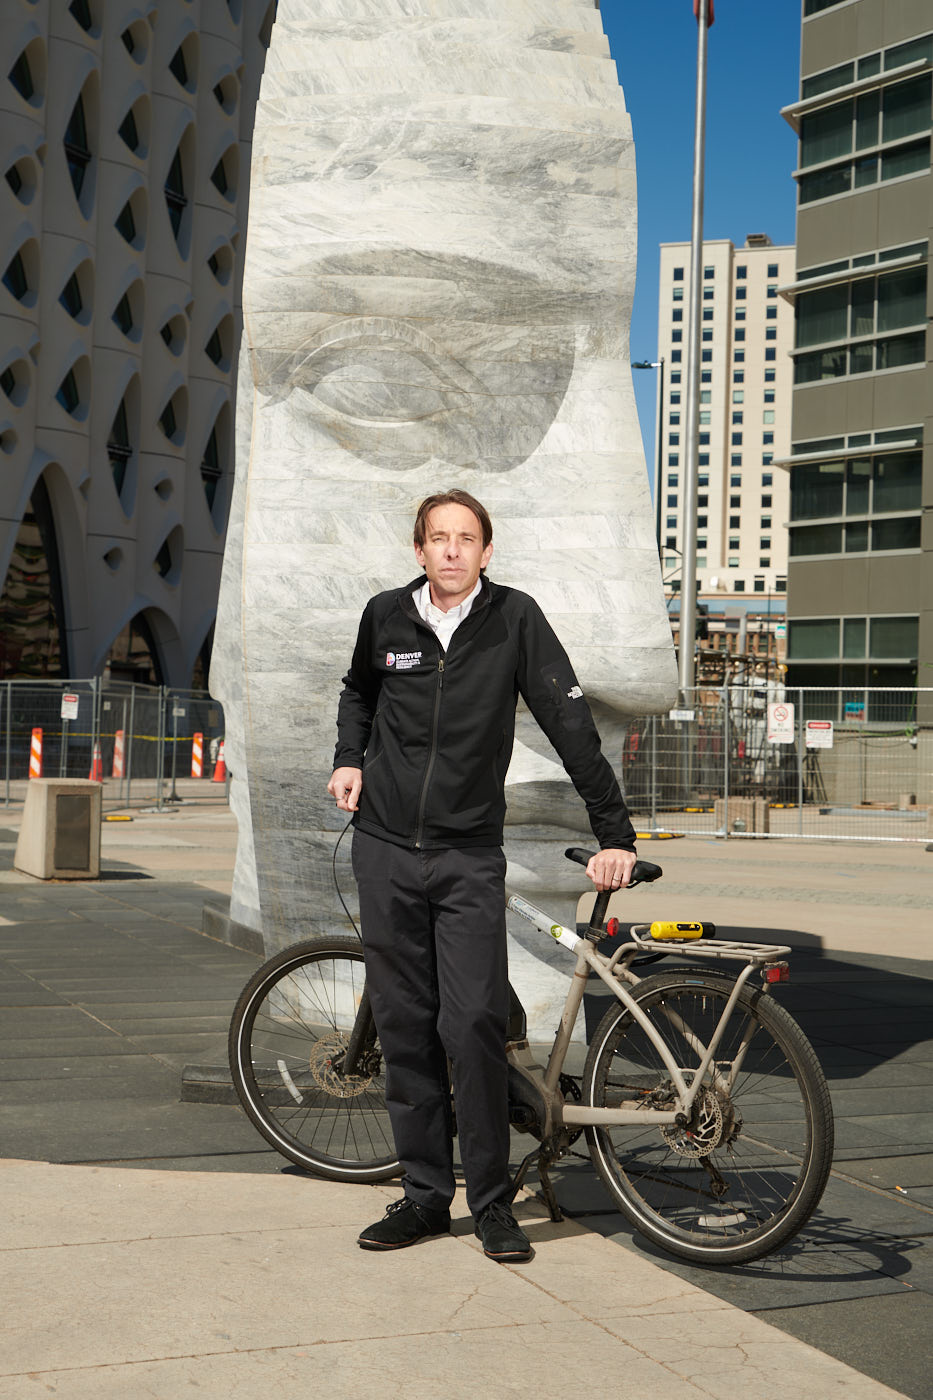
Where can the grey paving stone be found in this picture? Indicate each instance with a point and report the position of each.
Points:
(35, 996)
(864, 1100)
(123, 1129)
(145, 1081)
(913, 1127)
(19, 1022)
(888, 1172)
(98, 1041)
(128, 1061)
(868, 1334)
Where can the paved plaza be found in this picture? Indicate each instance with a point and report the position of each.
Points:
(154, 1245)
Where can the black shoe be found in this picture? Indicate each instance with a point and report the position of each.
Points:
(503, 1238)
(405, 1222)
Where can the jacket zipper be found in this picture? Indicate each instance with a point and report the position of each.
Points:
(419, 832)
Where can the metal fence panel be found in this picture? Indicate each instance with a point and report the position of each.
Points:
(136, 739)
(765, 760)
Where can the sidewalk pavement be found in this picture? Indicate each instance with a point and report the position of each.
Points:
(215, 1265)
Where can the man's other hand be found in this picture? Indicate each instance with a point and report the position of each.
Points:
(610, 870)
(345, 785)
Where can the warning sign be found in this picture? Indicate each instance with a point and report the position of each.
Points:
(781, 724)
(819, 733)
(69, 707)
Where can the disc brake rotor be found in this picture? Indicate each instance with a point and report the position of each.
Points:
(703, 1134)
(321, 1063)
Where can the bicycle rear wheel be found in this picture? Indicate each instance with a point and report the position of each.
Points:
(750, 1167)
(288, 1034)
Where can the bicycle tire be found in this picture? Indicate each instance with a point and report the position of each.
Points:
(289, 1026)
(771, 1147)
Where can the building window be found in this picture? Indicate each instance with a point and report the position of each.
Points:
(771, 313)
(770, 374)
(741, 293)
(772, 270)
(769, 396)
(865, 123)
(703, 459)
(735, 522)
(671, 522)
(759, 584)
(740, 313)
(738, 585)
(706, 356)
(738, 395)
(704, 439)
(770, 354)
(678, 274)
(706, 376)
(888, 303)
(735, 502)
(675, 378)
(768, 415)
(674, 418)
(707, 313)
(675, 398)
(735, 459)
(767, 439)
(736, 439)
(735, 479)
(770, 333)
(673, 459)
(676, 357)
(739, 356)
(706, 396)
(764, 542)
(767, 478)
(767, 458)
(673, 479)
(175, 197)
(677, 314)
(737, 415)
(677, 294)
(765, 524)
(708, 293)
(705, 417)
(672, 501)
(707, 336)
(734, 542)
(780, 585)
(673, 439)
(709, 273)
(740, 332)
(677, 337)
(738, 376)
(766, 502)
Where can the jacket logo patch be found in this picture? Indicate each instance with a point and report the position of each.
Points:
(575, 693)
(403, 660)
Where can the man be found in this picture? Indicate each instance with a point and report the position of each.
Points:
(425, 727)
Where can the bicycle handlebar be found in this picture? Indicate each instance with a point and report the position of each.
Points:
(642, 873)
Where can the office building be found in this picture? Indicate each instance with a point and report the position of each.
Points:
(745, 390)
(124, 156)
(860, 580)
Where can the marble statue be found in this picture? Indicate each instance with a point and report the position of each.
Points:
(437, 290)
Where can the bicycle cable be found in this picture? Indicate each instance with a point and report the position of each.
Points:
(337, 882)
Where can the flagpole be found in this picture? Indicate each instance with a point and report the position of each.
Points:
(688, 578)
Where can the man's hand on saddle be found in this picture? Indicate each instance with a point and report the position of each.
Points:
(345, 787)
(611, 869)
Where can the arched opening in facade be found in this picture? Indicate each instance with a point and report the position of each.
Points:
(202, 665)
(134, 654)
(32, 614)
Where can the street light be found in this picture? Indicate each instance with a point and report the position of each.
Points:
(659, 439)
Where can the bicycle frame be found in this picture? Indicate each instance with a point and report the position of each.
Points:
(754, 955)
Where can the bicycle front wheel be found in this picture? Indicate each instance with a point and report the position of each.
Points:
(750, 1166)
(289, 1031)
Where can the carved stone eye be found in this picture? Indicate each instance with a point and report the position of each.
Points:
(383, 386)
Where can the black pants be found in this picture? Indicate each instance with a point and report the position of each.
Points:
(433, 925)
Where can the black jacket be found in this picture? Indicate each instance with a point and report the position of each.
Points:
(433, 732)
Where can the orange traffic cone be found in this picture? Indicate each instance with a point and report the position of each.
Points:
(35, 754)
(96, 774)
(117, 755)
(220, 768)
(197, 755)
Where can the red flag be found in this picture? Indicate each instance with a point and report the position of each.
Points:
(709, 11)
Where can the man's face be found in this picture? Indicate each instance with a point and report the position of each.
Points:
(453, 554)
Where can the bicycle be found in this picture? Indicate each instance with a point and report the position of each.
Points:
(705, 1109)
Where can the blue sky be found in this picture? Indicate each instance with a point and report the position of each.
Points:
(754, 58)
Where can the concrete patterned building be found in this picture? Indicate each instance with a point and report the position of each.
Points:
(745, 399)
(125, 134)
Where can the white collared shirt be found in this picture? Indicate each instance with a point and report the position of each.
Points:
(443, 624)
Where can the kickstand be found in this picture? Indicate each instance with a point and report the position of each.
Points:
(547, 1190)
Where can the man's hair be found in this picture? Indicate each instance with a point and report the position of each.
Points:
(451, 498)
